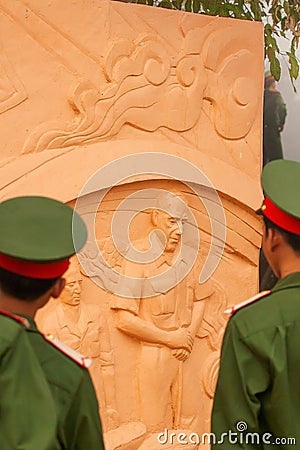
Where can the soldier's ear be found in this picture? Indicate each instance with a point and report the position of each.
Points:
(275, 238)
(58, 287)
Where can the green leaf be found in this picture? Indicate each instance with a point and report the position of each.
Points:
(213, 6)
(286, 7)
(188, 6)
(236, 12)
(196, 6)
(294, 66)
(166, 4)
(268, 29)
(275, 68)
(256, 9)
(269, 41)
(270, 53)
(223, 12)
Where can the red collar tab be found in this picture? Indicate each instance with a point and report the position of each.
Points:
(250, 300)
(280, 218)
(19, 319)
(33, 270)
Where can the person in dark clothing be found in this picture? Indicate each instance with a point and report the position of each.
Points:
(274, 119)
(267, 278)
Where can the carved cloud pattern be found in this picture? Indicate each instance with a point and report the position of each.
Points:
(150, 89)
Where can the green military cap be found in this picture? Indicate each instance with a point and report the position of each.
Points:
(38, 235)
(281, 185)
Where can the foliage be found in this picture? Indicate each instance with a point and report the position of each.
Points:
(280, 17)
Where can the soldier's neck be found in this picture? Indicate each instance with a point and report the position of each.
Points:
(289, 270)
(16, 306)
(288, 266)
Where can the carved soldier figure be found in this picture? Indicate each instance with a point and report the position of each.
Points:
(165, 320)
(84, 328)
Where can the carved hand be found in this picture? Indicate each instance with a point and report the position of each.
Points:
(181, 354)
(113, 420)
(181, 339)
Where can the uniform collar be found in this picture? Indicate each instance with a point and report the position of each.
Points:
(31, 321)
(290, 281)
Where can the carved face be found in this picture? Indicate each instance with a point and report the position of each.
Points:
(72, 291)
(169, 219)
(171, 226)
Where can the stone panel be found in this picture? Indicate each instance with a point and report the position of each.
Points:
(103, 105)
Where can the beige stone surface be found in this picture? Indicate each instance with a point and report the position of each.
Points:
(139, 99)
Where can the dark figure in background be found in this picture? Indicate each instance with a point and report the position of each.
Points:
(267, 278)
(274, 119)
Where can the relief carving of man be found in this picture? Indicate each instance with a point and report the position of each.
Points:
(84, 328)
(166, 320)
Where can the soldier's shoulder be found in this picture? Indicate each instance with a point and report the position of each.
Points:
(67, 353)
(12, 328)
(14, 318)
(233, 309)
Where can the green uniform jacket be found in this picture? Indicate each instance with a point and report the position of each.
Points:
(259, 379)
(28, 418)
(274, 119)
(79, 426)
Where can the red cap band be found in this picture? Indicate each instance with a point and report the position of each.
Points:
(33, 270)
(280, 218)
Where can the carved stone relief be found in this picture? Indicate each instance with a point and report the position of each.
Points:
(85, 329)
(12, 92)
(127, 75)
(157, 386)
(105, 82)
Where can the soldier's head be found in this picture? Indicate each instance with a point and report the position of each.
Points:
(168, 217)
(27, 288)
(269, 81)
(37, 237)
(281, 214)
